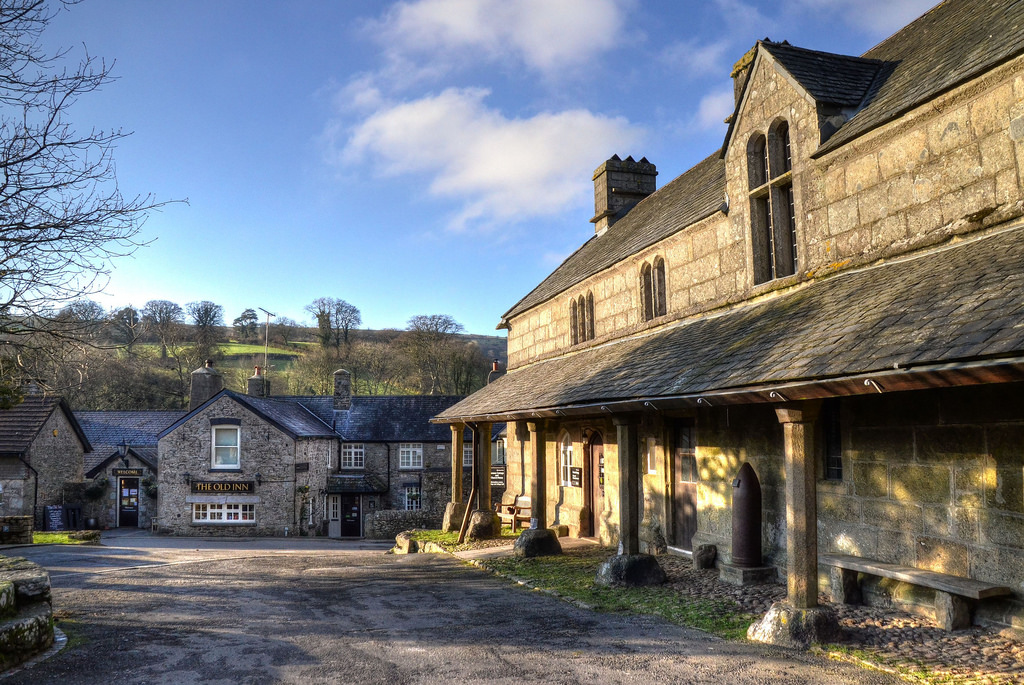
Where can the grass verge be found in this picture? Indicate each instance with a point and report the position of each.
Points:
(450, 540)
(74, 537)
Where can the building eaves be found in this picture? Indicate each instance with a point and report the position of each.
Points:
(960, 304)
(693, 196)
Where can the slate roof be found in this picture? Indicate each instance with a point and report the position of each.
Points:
(386, 418)
(952, 43)
(827, 77)
(138, 429)
(20, 425)
(697, 194)
(959, 303)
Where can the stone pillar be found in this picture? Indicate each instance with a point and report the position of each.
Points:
(458, 431)
(538, 473)
(483, 467)
(797, 421)
(627, 429)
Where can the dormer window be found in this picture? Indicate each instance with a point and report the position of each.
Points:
(581, 318)
(772, 207)
(652, 289)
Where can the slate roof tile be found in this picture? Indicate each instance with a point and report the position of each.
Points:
(19, 425)
(837, 327)
(829, 78)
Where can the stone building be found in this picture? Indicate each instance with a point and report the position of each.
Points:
(835, 298)
(41, 449)
(255, 464)
(121, 472)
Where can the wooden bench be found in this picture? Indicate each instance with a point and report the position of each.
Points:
(955, 597)
(514, 512)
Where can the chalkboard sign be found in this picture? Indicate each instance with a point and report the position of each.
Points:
(54, 517)
(576, 476)
(498, 476)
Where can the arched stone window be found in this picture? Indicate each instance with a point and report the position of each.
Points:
(590, 316)
(581, 304)
(772, 210)
(574, 331)
(652, 290)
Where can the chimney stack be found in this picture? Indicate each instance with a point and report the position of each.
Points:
(496, 371)
(618, 186)
(258, 385)
(342, 389)
(206, 382)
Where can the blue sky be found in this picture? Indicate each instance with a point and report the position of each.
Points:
(420, 157)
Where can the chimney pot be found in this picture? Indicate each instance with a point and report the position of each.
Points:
(342, 390)
(258, 385)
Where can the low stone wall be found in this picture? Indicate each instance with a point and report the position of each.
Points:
(388, 523)
(26, 615)
(16, 530)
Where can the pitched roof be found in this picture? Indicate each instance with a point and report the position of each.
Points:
(138, 429)
(827, 77)
(960, 303)
(953, 42)
(290, 416)
(697, 194)
(20, 425)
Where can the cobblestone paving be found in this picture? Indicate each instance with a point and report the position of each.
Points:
(884, 637)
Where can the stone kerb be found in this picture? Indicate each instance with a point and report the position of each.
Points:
(26, 615)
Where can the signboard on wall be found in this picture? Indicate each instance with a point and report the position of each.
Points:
(206, 487)
(498, 476)
(576, 476)
(135, 473)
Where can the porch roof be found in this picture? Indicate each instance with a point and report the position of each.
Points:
(951, 316)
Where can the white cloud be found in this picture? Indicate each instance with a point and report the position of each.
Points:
(714, 108)
(544, 35)
(499, 169)
(696, 60)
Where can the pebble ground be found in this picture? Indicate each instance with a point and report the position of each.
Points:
(887, 638)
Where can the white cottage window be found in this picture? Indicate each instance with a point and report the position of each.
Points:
(410, 455)
(353, 455)
(225, 448)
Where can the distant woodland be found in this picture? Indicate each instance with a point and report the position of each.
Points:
(141, 358)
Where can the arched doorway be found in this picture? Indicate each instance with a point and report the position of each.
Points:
(594, 493)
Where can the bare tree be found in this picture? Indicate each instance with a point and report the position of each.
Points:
(379, 368)
(322, 308)
(283, 329)
(428, 341)
(207, 318)
(164, 318)
(344, 318)
(62, 217)
(126, 325)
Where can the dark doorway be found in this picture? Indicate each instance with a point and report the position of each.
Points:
(595, 478)
(128, 509)
(684, 506)
(350, 527)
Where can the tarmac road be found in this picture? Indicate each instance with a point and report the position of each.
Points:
(161, 610)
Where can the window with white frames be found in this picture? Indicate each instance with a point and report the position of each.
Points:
(352, 455)
(225, 448)
(467, 455)
(412, 498)
(499, 451)
(565, 460)
(224, 513)
(410, 455)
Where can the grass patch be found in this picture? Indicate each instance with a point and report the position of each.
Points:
(233, 348)
(450, 540)
(74, 537)
(572, 575)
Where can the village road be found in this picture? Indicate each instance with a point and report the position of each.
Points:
(156, 610)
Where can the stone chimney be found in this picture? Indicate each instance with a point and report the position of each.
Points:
(740, 72)
(206, 382)
(618, 186)
(342, 389)
(258, 385)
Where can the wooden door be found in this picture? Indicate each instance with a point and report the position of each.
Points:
(128, 503)
(595, 490)
(350, 527)
(334, 516)
(684, 506)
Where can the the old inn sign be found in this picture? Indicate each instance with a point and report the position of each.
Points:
(206, 487)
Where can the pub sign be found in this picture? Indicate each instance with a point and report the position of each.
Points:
(207, 487)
